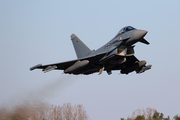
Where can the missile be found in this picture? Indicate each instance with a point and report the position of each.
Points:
(133, 67)
(36, 66)
(49, 68)
(145, 68)
(79, 64)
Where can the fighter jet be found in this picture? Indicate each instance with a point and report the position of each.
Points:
(117, 54)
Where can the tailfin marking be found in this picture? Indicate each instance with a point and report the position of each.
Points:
(81, 49)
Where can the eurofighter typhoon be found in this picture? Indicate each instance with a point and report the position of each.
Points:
(117, 54)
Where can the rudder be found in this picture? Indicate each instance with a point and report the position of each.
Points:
(81, 49)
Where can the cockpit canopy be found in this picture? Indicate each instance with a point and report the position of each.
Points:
(125, 29)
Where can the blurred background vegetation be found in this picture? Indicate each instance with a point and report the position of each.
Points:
(44, 111)
(149, 114)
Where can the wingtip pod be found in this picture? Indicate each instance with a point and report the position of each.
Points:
(36, 66)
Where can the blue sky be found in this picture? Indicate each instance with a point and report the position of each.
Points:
(33, 32)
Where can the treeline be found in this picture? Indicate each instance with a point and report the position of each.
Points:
(44, 111)
(149, 114)
(156, 116)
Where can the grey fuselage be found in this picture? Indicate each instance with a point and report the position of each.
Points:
(133, 35)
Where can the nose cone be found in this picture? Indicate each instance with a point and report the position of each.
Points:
(138, 34)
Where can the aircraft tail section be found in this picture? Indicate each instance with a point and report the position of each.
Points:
(81, 49)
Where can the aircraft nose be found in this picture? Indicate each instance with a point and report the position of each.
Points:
(138, 34)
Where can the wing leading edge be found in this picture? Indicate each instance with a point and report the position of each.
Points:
(74, 66)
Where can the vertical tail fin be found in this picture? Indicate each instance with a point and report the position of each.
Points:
(81, 49)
